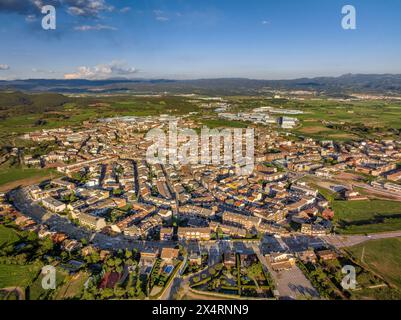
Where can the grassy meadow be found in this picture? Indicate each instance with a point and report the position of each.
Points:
(381, 256)
(367, 216)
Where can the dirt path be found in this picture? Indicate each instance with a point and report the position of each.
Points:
(18, 290)
(191, 294)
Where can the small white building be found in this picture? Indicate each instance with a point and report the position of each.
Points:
(53, 204)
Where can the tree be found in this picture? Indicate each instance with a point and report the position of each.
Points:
(32, 237)
(88, 295)
(95, 257)
(128, 253)
(107, 293)
(47, 244)
(131, 292)
(118, 261)
(64, 255)
(119, 292)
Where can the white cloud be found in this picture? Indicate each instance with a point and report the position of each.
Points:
(125, 9)
(162, 19)
(31, 18)
(102, 71)
(86, 8)
(4, 67)
(42, 70)
(264, 22)
(89, 8)
(96, 27)
(160, 16)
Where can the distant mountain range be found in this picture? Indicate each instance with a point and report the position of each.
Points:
(343, 85)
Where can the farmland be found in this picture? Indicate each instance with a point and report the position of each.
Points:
(356, 217)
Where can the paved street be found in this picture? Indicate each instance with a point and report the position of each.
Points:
(339, 241)
(290, 283)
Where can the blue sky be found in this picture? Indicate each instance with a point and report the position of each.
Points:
(186, 39)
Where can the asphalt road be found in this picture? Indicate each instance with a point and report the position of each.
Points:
(339, 241)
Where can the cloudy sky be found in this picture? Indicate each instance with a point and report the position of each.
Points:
(183, 39)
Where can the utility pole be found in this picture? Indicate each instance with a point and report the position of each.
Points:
(363, 255)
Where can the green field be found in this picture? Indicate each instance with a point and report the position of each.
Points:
(212, 124)
(381, 256)
(37, 292)
(7, 235)
(337, 120)
(322, 118)
(353, 119)
(358, 217)
(72, 287)
(328, 194)
(16, 275)
(21, 113)
(16, 174)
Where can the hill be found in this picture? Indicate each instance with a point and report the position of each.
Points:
(345, 84)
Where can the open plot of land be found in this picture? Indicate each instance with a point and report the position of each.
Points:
(72, 286)
(327, 277)
(338, 120)
(13, 177)
(382, 256)
(7, 235)
(353, 217)
(36, 290)
(12, 293)
(16, 275)
(212, 124)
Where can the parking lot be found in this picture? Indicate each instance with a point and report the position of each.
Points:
(293, 283)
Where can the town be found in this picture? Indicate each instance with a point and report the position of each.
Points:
(168, 231)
